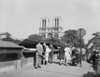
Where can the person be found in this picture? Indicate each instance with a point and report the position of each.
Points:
(75, 57)
(93, 57)
(51, 53)
(83, 54)
(48, 50)
(39, 49)
(67, 55)
(61, 53)
(43, 54)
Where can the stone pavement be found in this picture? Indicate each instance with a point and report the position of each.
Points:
(53, 70)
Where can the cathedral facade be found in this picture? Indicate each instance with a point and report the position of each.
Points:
(46, 30)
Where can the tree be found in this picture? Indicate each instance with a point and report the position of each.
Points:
(95, 40)
(35, 37)
(9, 38)
(8, 34)
(52, 40)
(70, 37)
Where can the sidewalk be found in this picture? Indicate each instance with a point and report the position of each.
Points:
(53, 70)
(12, 70)
(87, 70)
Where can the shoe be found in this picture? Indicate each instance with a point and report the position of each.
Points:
(35, 67)
(39, 66)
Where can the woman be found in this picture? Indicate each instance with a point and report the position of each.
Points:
(48, 50)
(75, 57)
(51, 53)
(67, 55)
(61, 54)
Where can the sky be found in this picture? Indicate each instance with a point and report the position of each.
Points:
(21, 18)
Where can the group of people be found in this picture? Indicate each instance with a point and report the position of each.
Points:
(69, 54)
(66, 53)
(43, 53)
(72, 56)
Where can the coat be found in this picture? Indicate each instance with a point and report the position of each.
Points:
(61, 53)
(39, 48)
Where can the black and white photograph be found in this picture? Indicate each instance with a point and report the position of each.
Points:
(49, 38)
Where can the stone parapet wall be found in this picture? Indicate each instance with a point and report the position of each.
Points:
(13, 65)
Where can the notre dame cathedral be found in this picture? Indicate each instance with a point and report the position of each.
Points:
(46, 30)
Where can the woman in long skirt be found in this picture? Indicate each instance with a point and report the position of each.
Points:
(48, 50)
(61, 54)
(67, 55)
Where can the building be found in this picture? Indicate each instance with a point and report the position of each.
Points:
(9, 51)
(46, 30)
(3, 35)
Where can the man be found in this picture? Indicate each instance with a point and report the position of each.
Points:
(39, 49)
(94, 58)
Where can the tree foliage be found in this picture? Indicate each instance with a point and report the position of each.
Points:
(9, 38)
(53, 40)
(8, 34)
(70, 37)
(35, 37)
(95, 40)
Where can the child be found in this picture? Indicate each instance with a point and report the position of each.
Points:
(48, 50)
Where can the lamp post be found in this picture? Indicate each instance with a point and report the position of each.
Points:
(81, 33)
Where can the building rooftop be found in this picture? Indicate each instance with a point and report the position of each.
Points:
(8, 44)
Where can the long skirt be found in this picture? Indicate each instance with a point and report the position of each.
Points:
(60, 56)
(47, 56)
(67, 56)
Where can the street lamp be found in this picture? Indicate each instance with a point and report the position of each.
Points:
(81, 33)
